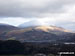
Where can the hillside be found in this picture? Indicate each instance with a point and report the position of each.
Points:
(5, 28)
(38, 33)
(48, 29)
(35, 33)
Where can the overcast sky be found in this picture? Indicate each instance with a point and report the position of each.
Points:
(51, 12)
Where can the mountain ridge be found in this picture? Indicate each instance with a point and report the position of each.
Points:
(37, 33)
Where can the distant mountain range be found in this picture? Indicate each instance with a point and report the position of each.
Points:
(40, 33)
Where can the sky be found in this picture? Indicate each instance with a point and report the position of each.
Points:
(49, 12)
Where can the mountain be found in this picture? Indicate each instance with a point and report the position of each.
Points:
(43, 26)
(38, 33)
(53, 29)
(33, 36)
(5, 28)
(50, 29)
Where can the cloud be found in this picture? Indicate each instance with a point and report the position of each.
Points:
(65, 23)
(33, 8)
(52, 12)
(13, 21)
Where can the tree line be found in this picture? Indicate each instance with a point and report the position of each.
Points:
(17, 47)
